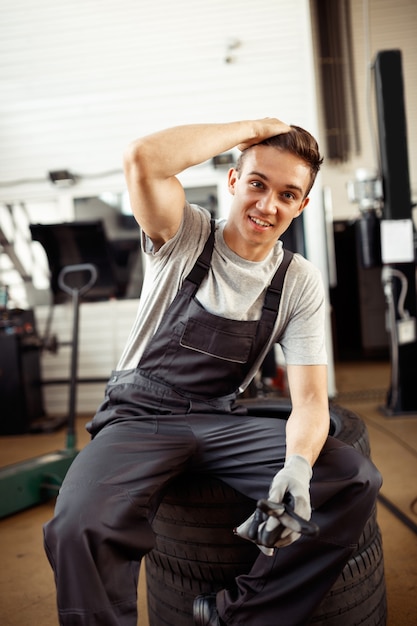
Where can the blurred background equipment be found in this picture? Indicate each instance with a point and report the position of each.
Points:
(397, 207)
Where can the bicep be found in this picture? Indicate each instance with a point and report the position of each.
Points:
(156, 203)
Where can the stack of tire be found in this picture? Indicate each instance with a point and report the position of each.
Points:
(196, 552)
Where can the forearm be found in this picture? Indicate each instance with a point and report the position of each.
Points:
(306, 432)
(168, 152)
(309, 421)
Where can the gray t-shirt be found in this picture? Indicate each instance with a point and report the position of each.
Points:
(234, 288)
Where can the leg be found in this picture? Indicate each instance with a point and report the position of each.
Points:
(101, 527)
(286, 588)
(246, 452)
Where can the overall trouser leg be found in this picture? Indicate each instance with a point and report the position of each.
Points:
(285, 589)
(101, 528)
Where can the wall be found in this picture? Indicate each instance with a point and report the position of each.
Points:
(81, 78)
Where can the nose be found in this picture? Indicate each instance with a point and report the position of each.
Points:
(267, 204)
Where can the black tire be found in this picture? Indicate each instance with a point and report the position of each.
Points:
(358, 597)
(222, 556)
(349, 428)
(193, 528)
(196, 551)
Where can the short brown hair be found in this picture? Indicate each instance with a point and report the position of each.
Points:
(297, 141)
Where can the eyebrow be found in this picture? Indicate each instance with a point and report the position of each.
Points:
(264, 177)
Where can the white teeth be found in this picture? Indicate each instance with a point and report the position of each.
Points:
(259, 222)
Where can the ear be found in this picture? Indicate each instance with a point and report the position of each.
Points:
(302, 206)
(232, 177)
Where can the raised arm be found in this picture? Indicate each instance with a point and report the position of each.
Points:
(152, 164)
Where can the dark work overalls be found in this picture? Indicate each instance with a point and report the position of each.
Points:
(176, 413)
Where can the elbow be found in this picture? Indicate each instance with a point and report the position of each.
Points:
(135, 160)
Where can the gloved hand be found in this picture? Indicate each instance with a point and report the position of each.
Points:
(291, 483)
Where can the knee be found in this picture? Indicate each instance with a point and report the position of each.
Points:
(87, 518)
(362, 475)
(341, 469)
(368, 476)
(71, 519)
(344, 489)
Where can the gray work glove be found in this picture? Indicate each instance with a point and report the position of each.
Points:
(290, 485)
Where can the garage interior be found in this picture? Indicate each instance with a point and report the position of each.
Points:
(48, 221)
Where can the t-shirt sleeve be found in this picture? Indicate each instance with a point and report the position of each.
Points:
(193, 227)
(303, 338)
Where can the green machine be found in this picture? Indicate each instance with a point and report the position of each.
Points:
(31, 482)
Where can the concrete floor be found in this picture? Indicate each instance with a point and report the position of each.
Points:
(27, 596)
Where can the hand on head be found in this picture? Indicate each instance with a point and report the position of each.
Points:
(265, 128)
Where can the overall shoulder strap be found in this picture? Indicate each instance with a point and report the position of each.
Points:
(274, 291)
(202, 264)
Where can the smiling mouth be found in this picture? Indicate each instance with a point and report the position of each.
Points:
(259, 222)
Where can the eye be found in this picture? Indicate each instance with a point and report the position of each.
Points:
(287, 195)
(257, 184)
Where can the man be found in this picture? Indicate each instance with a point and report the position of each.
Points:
(209, 312)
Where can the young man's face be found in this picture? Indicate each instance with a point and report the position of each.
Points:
(268, 193)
